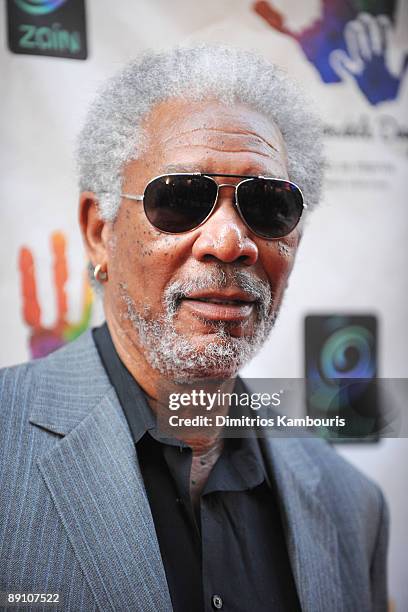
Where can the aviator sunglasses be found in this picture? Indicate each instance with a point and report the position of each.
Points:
(177, 203)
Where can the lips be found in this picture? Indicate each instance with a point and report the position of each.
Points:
(218, 301)
(228, 295)
(229, 305)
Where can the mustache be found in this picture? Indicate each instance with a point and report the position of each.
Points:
(219, 278)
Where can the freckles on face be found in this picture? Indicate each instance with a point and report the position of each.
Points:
(278, 257)
(144, 258)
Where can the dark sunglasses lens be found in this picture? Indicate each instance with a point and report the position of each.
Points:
(271, 208)
(179, 203)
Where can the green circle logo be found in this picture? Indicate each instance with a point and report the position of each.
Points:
(39, 7)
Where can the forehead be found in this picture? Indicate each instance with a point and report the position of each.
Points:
(211, 136)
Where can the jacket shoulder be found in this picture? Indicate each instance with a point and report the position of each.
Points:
(70, 377)
(16, 387)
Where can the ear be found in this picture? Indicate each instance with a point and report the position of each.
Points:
(95, 231)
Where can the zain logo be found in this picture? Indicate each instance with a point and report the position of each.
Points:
(39, 7)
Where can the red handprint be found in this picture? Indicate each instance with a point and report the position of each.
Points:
(44, 340)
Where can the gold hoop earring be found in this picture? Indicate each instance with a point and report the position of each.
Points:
(100, 275)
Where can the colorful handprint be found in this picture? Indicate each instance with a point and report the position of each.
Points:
(44, 340)
(367, 41)
(330, 44)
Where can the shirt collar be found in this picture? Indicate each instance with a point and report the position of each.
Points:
(137, 411)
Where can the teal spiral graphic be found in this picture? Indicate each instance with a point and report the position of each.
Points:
(335, 356)
(39, 7)
(347, 354)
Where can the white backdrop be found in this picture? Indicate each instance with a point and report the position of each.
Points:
(354, 253)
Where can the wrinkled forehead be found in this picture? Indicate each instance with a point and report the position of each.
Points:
(179, 128)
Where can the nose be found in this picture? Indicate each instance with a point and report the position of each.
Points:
(224, 236)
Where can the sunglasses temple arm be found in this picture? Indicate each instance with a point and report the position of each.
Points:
(137, 198)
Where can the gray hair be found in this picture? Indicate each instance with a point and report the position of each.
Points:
(112, 133)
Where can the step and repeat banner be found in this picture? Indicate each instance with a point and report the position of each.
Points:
(346, 304)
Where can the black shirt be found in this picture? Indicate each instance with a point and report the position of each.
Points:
(233, 555)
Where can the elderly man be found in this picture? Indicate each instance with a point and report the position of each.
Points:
(195, 169)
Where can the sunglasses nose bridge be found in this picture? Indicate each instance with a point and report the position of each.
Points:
(231, 186)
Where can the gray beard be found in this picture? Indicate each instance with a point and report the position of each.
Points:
(179, 357)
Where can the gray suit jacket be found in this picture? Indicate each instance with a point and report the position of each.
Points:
(75, 519)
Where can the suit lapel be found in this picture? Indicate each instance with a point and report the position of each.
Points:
(310, 532)
(97, 488)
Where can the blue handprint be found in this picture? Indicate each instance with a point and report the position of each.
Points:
(365, 59)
